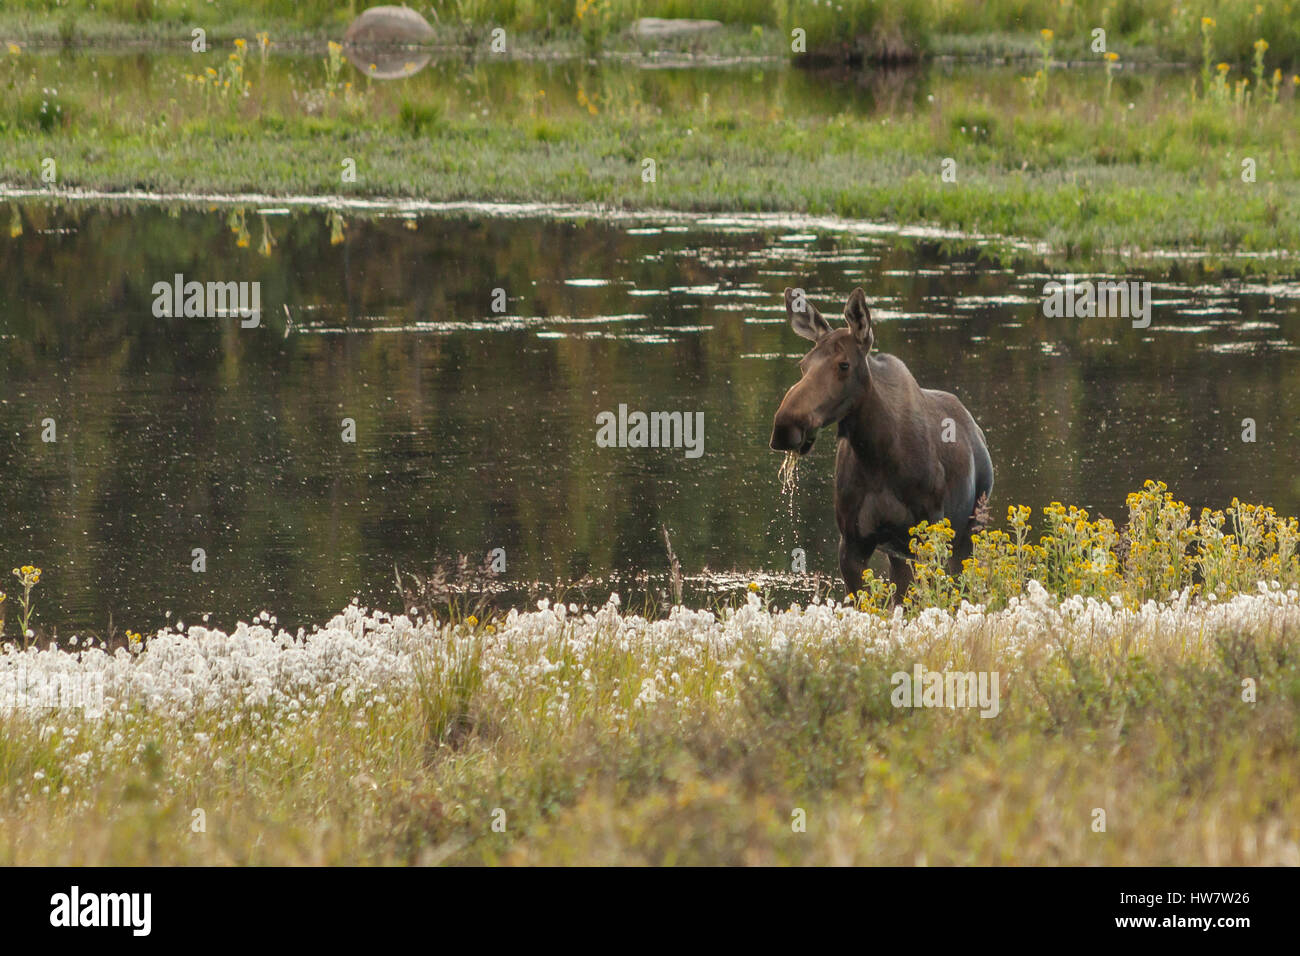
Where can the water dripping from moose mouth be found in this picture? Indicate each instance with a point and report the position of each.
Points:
(789, 475)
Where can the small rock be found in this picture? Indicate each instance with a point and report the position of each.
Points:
(387, 26)
(655, 28)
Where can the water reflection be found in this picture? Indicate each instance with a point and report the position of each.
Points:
(385, 64)
(287, 81)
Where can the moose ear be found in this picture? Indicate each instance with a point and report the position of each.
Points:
(804, 317)
(858, 317)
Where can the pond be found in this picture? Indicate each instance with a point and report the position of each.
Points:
(476, 429)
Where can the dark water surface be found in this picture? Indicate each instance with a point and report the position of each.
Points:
(477, 430)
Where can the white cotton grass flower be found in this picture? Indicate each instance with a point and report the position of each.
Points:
(256, 680)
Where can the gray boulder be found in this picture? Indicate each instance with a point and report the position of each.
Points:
(388, 26)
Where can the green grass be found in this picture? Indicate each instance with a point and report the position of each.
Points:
(563, 750)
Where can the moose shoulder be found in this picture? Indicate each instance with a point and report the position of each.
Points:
(906, 454)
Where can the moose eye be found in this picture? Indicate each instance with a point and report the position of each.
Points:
(844, 366)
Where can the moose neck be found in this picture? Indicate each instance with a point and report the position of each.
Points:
(870, 426)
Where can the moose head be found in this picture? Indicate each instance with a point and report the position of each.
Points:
(835, 374)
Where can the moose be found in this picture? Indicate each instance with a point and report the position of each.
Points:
(906, 454)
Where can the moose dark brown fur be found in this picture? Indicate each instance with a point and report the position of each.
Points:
(906, 454)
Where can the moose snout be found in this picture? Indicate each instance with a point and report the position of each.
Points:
(792, 435)
(787, 436)
(795, 425)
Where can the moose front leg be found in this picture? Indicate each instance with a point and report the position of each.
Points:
(854, 555)
(963, 546)
(900, 573)
(961, 550)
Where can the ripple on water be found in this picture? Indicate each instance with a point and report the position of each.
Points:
(1239, 347)
(502, 323)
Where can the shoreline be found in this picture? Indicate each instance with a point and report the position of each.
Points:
(1003, 246)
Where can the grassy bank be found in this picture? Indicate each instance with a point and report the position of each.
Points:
(1087, 161)
(1125, 730)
